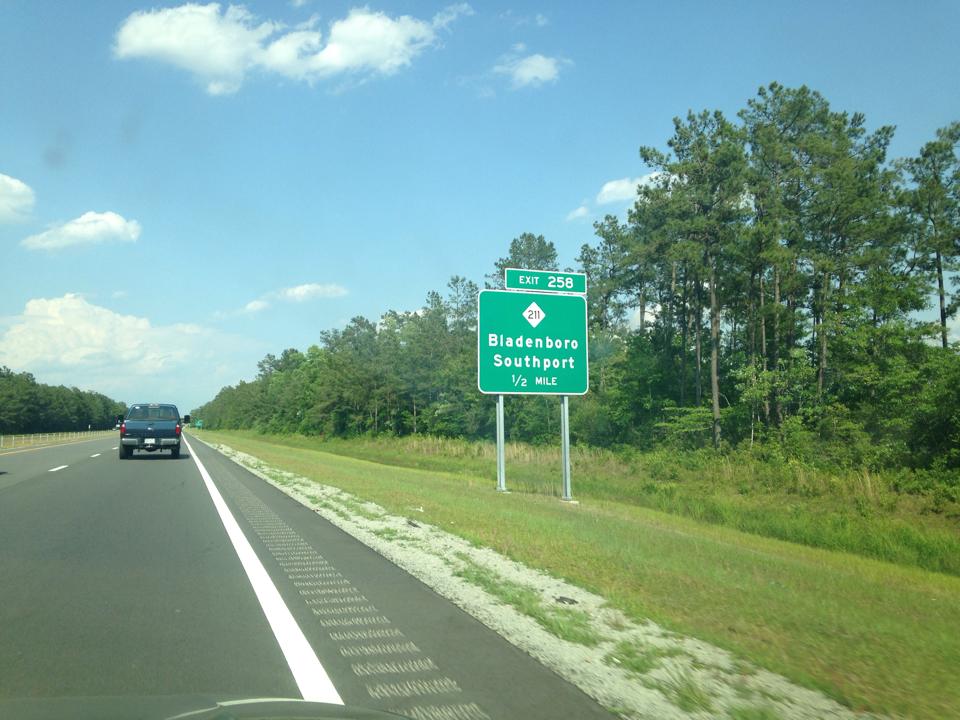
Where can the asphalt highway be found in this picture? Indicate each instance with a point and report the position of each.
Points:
(124, 578)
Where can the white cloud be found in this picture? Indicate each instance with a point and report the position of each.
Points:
(90, 228)
(71, 341)
(256, 306)
(530, 71)
(69, 332)
(16, 199)
(221, 48)
(623, 189)
(518, 21)
(300, 293)
(450, 13)
(295, 293)
(618, 190)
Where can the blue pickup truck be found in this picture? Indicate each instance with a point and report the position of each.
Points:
(151, 427)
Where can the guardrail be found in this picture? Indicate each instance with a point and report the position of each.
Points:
(8, 442)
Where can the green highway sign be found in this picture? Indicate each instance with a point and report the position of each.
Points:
(531, 343)
(544, 281)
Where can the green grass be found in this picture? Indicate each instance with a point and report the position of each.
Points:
(902, 516)
(358, 509)
(874, 635)
(387, 534)
(638, 659)
(684, 692)
(752, 712)
(565, 623)
(326, 504)
(743, 689)
(393, 535)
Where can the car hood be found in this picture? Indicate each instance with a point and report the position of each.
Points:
(181, 707)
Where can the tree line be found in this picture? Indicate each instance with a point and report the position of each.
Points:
(765, 290)
(27, 406)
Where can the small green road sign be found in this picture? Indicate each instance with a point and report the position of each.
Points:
(531, 343)
(544, 281)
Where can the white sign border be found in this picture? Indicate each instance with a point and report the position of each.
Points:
(586, 325)
(547, 292)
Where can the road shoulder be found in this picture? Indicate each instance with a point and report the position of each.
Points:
(636, 669)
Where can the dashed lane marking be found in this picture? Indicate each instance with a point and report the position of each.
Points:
(95, 455)
(58, 468)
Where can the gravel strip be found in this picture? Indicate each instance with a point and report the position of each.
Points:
(683, 678)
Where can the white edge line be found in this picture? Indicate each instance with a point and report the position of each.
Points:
(58, 467)
(309, 674)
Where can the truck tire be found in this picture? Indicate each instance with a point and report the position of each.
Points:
(175, 452)
(126, 452)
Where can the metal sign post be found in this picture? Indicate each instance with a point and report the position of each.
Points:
(565, 448)
(501, 454)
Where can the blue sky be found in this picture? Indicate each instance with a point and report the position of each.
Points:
(184, 189)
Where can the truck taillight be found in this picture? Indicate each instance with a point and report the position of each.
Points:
(176, 431)
(123, 428)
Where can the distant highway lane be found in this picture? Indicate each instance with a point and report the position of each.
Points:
(124, 578)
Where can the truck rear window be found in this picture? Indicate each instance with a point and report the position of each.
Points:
(153, 412)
